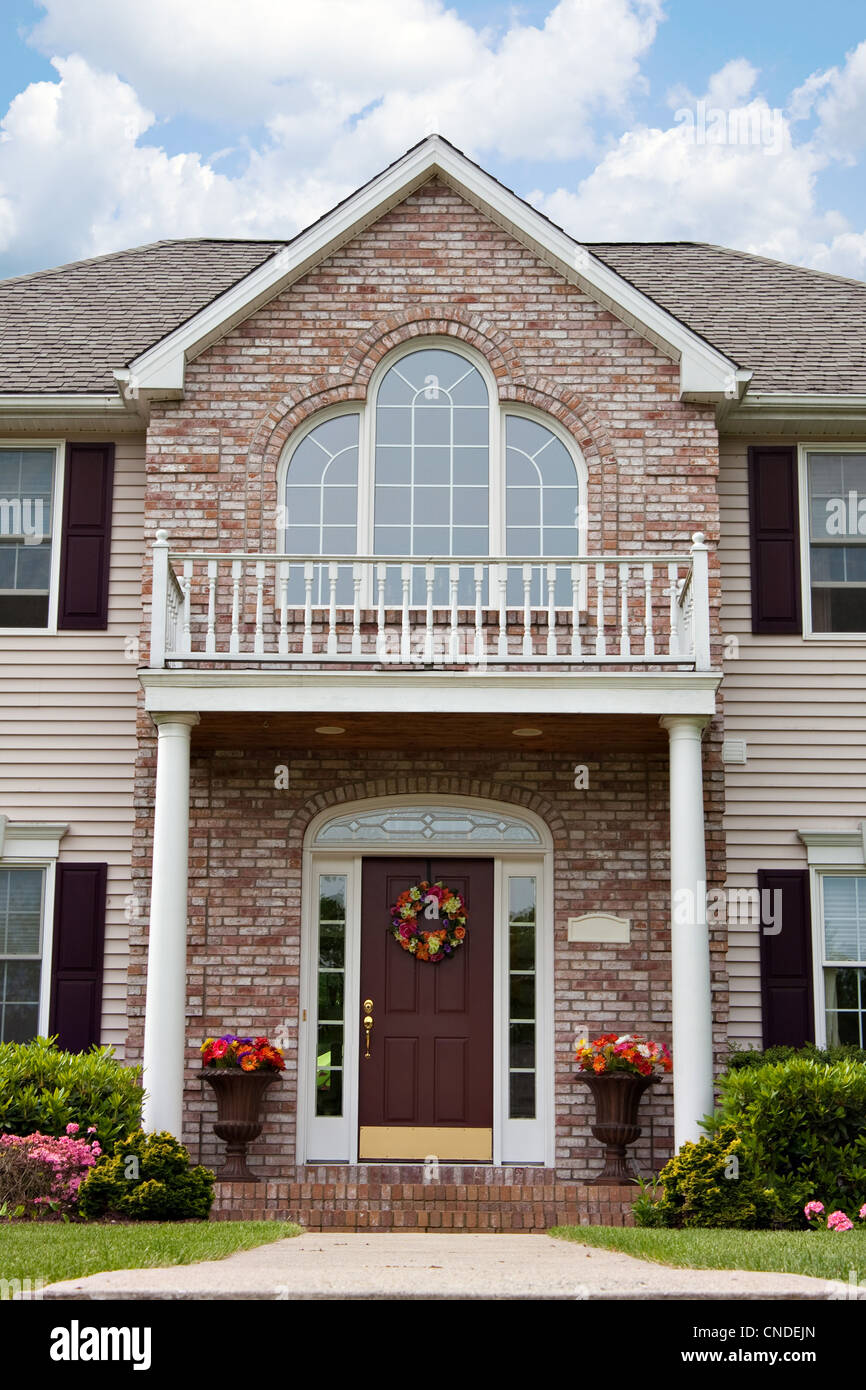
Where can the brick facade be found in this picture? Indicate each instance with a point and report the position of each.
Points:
(433, 265)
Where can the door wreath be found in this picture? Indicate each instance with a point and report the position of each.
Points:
(434, 904)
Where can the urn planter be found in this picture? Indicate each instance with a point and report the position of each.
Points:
(239, 1096)
(617, 1096)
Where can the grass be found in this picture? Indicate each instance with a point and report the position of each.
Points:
(821, 1254)
(51, 1251)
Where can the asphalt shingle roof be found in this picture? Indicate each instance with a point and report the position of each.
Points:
(795, 329)
(67, 329)
(64, 330)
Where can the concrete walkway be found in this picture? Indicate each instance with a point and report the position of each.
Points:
(432, 1265)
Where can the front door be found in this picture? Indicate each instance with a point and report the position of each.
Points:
(427, 1086)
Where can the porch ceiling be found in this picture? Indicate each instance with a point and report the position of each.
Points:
(583, 735)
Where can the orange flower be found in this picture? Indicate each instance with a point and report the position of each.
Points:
(460, 933)
(598, 1064)
(248, 1061)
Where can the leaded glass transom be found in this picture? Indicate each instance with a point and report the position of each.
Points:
(426, 825)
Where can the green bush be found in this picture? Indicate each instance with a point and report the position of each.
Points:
(802, 1124)
(44, 1089)
(710, 1183)
(753, 1057)
(148, 1178)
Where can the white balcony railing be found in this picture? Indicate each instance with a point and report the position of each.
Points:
(604, 610)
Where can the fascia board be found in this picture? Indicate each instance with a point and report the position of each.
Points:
(704, 371)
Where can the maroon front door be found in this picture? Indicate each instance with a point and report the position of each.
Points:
(427, 1086)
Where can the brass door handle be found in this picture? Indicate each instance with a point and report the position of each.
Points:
(368, 1023)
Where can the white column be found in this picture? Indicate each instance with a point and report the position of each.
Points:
(165, 1005)
(690, 946)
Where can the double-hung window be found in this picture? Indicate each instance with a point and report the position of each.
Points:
(22, 897)
(835, 550)
(29, 484)
(843, 957)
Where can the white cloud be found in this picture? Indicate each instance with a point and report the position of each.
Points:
(837, 97)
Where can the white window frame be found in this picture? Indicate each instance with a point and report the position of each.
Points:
(830, 852)
(499, 410)
(59, 447)
(335, 1140)
(803, 450)
(36, 845)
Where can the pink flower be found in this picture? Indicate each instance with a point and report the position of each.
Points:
(812, 1209)
(862, 1212)
(838, 1221)
(72, 1128)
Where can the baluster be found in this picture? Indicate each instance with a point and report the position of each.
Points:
(575, 612)
(502, 644)
(356, 611)
(405, 634)
(453, 636)
(478, 646)
(283, 590)
(186, 590)
(381, 652)
(624, 636)
(649, 641)
(332, 609)
(600, 646)
(428, 631)
(527, 611)
(308, 608)
(259, 641)
(235, 640)
(210, 639)
(551, 610)
(673, 623)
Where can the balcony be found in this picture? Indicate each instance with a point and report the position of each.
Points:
(231, 611)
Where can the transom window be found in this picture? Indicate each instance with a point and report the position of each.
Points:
(433, 468)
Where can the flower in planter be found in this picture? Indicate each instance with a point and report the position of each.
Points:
(244, 1054)
(622, 1052)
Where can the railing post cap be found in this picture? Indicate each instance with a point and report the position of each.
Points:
(161, 538)
(699, 541)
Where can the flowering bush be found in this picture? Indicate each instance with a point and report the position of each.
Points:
(622, 1052)
(249, 1054)
(836, 1221)
(40, 1172)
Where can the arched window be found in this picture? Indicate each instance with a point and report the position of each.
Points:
(433, 468)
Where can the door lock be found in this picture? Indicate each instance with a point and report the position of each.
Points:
(368, 1022)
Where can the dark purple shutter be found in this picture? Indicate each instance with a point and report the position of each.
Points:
(774, 530)
(76, 961)
(86, 539)
(786, 959)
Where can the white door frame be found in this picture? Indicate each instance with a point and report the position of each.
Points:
(514, 1141)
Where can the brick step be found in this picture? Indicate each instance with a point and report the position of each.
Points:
(334, 1204)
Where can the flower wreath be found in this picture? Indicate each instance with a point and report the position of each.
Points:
(429, 902)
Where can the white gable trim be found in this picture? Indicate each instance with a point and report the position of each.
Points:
(705, 373)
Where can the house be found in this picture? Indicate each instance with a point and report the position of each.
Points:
(431, 545)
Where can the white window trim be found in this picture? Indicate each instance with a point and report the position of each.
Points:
(828, 852)
(36, 845)
(804, 449)
(59, 447)
(322, 1140)
(499, 410)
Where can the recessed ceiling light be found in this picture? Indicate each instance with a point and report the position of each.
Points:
(527, 733)
(330, 729)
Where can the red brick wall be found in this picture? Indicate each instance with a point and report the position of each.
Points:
(432, 265)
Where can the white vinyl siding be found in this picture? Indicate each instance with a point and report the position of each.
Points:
(800, 705)
(68, 729)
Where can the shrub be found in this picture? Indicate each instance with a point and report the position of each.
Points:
(148, 1178)
(39, 1172)
(44, 1090)
(710, 1183)
(802, 1124)
(754, 1057)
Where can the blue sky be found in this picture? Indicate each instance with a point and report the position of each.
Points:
(742, 123)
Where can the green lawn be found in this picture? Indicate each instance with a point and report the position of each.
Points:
(51, 1251)
(821, 1254)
